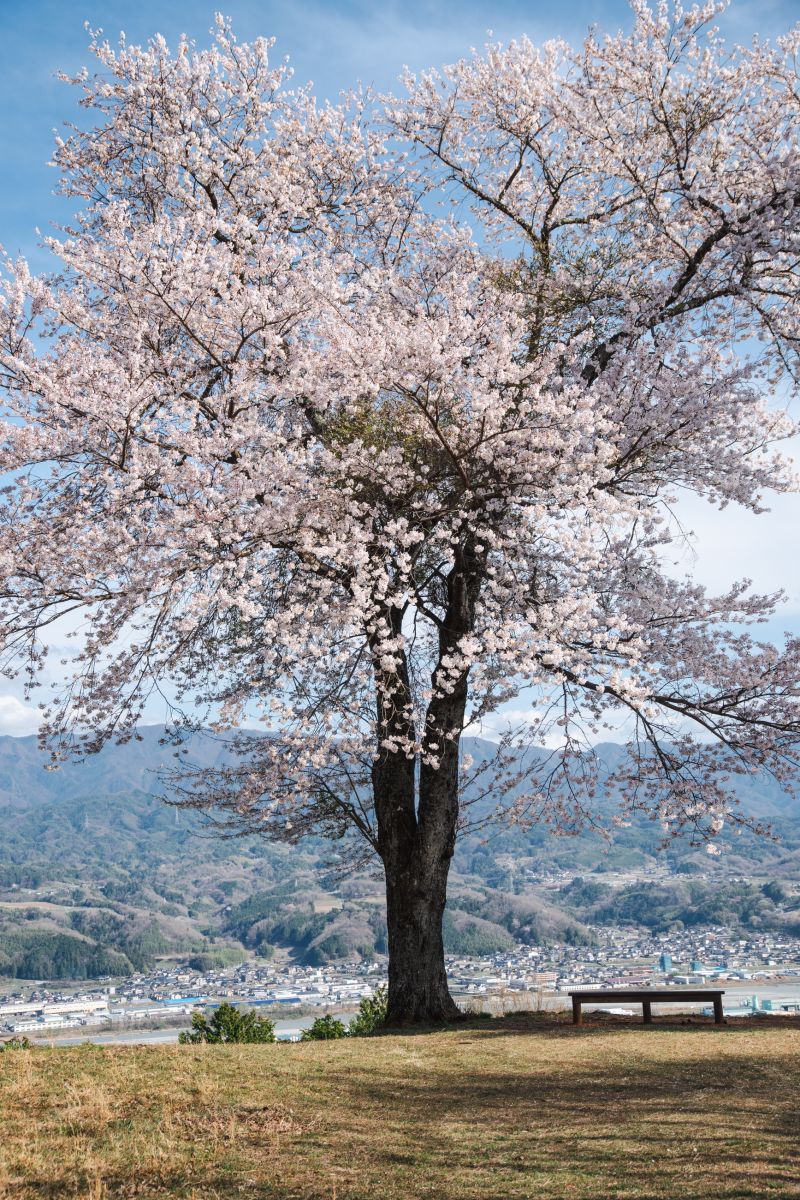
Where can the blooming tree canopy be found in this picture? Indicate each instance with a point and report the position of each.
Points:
(283, 441)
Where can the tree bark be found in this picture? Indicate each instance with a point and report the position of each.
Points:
(418, 817)
(416, 854)
(418, 991)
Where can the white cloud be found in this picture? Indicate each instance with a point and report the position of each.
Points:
(17, 718)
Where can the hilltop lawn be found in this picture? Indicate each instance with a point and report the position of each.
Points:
(514, 1109)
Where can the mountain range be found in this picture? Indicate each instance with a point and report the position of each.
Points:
(99, 876)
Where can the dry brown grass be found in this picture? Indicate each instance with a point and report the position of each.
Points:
(525, 1107)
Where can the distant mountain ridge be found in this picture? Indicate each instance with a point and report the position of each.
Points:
(45, 815)
(26, 781)
(115, 770)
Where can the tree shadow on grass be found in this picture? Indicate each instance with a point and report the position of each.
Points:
(408, 1124)
(559, 1024)
(656, 1130)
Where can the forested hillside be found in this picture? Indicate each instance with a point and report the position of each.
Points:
(99, 876)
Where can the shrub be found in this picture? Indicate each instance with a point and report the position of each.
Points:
(324, 1029)
(15, 1043)
(229, 1024)
(371, 1014)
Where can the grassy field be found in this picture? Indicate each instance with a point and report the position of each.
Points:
(523, 1107)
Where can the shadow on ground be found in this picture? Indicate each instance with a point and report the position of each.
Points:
(559, 1024)
(683, 1127)
(526, 1107)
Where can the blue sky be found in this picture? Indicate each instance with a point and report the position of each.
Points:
(334, 45)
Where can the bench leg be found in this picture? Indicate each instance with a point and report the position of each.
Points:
(647, 1012)
(577, 1015)
(718, 1017)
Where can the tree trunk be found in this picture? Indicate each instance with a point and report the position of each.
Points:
(418, 817)
(415, 900)
(417, 844)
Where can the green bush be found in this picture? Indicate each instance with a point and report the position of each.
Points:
(229, 1024)
(371, 1014)
(324, 1029)
(15, 1043)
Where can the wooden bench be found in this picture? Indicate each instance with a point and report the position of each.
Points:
(646, 997)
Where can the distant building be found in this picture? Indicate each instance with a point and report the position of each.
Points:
(665, 963)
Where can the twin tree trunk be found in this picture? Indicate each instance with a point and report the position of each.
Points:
(415, 901)
(416, 860)
(418, 816)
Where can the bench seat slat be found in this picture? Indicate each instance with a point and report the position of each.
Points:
(657, 994)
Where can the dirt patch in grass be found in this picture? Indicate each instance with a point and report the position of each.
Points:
(239, 1124)
(525, 1108)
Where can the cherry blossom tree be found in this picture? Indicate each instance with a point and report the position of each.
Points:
(362, 421)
